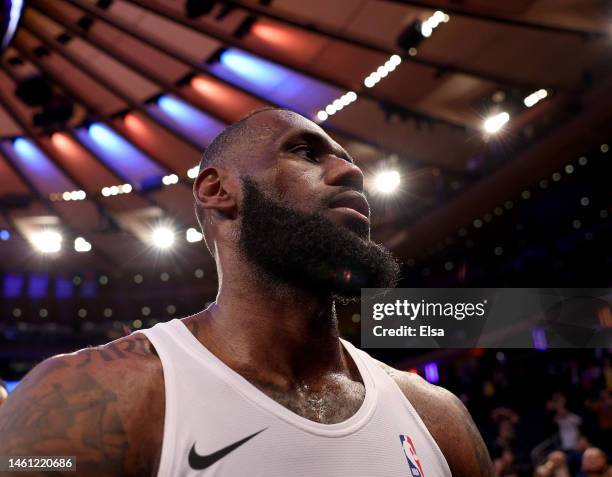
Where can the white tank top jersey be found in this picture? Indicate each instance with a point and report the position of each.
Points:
(218, 424)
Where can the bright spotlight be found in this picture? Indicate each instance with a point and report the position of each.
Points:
(81, 245)
(329, 109)
(170, 179)
(192, 235)
(494, 123)
(387, 181)
(322, 115)
(47, 241)
(426, 29)
(369, 82)
(192, 172)
(163, 237)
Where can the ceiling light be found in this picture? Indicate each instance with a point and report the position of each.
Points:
(387, 181)
(170, 179)
(81, 245)
(192, 235)
(535, 97)
(494, 123)
(192, 172)
(163, 237)
(322, 115)
(426, 29)
(47, 241)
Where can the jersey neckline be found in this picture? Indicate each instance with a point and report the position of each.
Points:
(253, 394)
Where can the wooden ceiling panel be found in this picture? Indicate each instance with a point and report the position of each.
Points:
(7, 125)
(438, 145)
(18, 107)
(382, 22)
(336, 14)
(122, 77)
(454, 99)
(152, 138)
(77, 81)
(158, 63)
(10, 183)
(409, 84)
(73, 157)
(167, 32)
(346, 63)
(288, 44)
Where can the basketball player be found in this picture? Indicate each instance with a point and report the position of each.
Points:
(259, 383)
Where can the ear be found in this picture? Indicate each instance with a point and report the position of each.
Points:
(214, 189)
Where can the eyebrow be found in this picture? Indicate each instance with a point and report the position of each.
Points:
(320, 140)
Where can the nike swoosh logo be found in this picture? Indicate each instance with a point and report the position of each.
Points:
(199, 462)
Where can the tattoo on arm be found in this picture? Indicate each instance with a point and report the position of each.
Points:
(64, 409)
(78, 416)
(121, 349)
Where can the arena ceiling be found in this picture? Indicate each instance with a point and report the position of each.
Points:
(105, 107)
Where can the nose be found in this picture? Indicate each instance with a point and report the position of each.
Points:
(340, 172)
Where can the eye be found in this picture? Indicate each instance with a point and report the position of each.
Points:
(305, 151)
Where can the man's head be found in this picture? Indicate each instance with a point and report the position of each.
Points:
(594, 461)
(3, 392)
(277, 189)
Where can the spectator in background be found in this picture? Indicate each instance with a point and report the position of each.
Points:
(506, 420)
(555, 466)
(595, 463)
(504, 465)
(574, 459)
(3, 392)
(567, 422)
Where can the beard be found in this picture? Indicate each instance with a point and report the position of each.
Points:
(309, 251)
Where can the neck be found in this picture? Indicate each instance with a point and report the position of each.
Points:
(272, 332)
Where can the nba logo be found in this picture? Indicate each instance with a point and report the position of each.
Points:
(413, 460)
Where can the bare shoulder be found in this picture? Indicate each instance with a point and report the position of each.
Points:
(448, 421)
(102, 404)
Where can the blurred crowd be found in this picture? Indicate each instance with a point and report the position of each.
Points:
(541, 413)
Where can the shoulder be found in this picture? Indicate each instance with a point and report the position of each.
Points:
(449, 423)
(102, 404)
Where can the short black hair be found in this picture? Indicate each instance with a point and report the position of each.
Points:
(219, 151)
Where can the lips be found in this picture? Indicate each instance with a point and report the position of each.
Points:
(353, 200)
